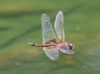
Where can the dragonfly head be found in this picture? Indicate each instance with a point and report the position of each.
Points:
(71, 46)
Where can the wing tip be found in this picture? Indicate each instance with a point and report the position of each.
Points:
(44, 15)
(71, 52)
(53, 58)
(51, 53)
(60, 12)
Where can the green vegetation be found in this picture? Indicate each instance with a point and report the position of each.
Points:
(20, 22)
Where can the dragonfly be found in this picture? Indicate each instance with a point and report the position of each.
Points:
(52, 42)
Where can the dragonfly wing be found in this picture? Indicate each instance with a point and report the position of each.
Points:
(53, 53)
(65, 49)
(47, 31)
(59, 21)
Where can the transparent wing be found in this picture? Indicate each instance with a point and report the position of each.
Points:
(59, 21)
(64, 48)
(47, 31)
(52, 53)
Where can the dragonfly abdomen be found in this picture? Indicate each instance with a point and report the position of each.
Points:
(42, 45)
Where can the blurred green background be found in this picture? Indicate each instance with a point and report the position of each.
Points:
(20, 22)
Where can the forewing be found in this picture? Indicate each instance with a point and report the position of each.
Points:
(64, 48)
(59, 21)
(47, 31)
(52, 53)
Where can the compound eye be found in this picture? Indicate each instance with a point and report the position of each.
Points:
(70, 46)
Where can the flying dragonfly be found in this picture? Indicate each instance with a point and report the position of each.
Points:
(51, 43)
